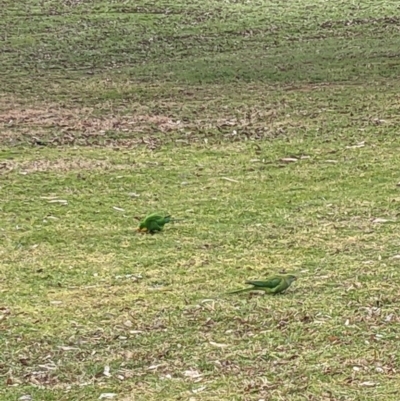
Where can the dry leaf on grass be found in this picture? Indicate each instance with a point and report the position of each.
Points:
(193, 374)
(288, 160)
(107, 396)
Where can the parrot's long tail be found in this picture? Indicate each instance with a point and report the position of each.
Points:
(242, 290)
(172, 220)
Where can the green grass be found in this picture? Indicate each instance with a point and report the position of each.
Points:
(111, 110)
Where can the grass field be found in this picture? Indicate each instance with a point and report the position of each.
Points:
(271, 128)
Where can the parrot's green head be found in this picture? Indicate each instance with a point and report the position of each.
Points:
(291, 278)
(141, 228)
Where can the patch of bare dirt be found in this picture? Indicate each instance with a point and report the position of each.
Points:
(77, 164)
(57, 125)
(394, 20)
(54, 125)
(82, 120)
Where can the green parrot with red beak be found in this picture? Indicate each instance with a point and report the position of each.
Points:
(154, 222)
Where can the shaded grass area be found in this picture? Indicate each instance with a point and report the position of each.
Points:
(270, 128)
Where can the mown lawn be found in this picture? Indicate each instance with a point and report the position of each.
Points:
(270, 128)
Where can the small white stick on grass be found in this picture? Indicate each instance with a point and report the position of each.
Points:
(229, 179)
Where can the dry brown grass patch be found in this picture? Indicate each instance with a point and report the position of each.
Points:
(59, 165)
(17, 119)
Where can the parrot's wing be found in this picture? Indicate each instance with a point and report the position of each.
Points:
(153, 226)
(154, 217)
(160, 221)
(150, 219)
(285, 284)
(157, 218)
(272, 283)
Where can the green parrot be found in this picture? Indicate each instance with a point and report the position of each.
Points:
(153, 222)
(272, 285)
